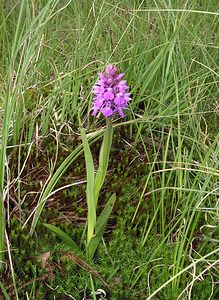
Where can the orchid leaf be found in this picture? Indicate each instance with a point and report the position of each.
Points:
(103, 159)
(64, 236)
(91, 220)
(100, 226)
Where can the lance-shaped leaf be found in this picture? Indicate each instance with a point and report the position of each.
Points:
(91, 219)
(103, 159)
(100, 226)
(64, 236)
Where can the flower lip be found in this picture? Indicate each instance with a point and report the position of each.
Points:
(108, 96)
(107, 111)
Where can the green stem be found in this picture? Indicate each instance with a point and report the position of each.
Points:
(103, 159)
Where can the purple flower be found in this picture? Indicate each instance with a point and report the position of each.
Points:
(110, 93)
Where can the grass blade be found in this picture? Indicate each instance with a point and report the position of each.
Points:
(4, 292)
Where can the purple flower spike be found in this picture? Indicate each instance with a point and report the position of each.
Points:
(110, 93)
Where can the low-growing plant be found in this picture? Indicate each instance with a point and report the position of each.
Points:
(110, 98)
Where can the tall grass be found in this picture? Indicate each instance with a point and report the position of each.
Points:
(20, 52)
(50, 54)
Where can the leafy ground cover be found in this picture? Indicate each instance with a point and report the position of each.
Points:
(161, 241)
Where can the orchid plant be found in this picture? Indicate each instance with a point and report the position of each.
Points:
(110, 99)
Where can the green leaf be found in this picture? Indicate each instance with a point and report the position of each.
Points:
(104, 216)
(60, 233)
(91, 220)
(100, 226)
(103, 159)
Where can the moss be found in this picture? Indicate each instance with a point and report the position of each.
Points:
(118, 262)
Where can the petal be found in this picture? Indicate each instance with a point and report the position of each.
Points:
(101, 76)
(98, 102)
(121, 112)
(127, 96)
(94, 110)
(109, 80)
(110, 90)
(107, 111)
(101, 82)
(111, 70)
(119, 76)
(98, 90)
(108, 96)
(119, 101)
